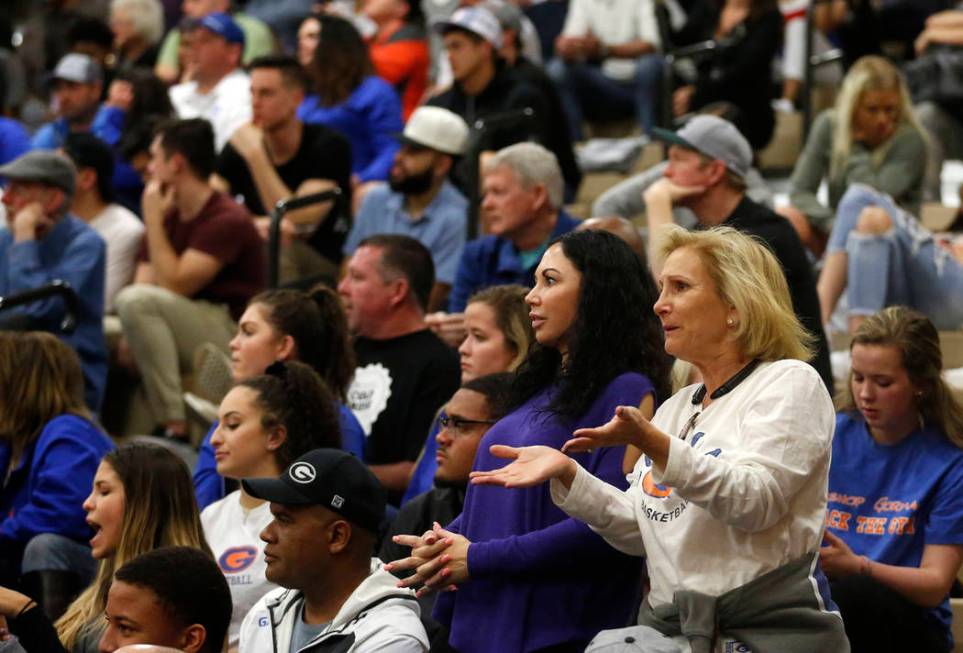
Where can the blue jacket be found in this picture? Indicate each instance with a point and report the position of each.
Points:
(75, 253)
(208, 484)
(14, 140)
(46, 491)
(493, 261)
(369, 119)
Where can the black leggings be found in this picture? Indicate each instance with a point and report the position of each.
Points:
(878, 619)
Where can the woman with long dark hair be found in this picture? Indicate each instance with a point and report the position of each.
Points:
(350, 98)
(523, 569)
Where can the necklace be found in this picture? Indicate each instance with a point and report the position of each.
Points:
(726, 387)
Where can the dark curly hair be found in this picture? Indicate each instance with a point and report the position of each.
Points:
(317, 323)
(292, 395)
(615, 329)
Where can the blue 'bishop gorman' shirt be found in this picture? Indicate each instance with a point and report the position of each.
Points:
(888, 502)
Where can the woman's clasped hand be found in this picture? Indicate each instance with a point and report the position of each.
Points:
(439, 559)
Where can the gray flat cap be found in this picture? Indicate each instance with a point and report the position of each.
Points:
(44, 167)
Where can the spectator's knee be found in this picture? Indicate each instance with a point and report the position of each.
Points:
(648, 68)
(927, 113)
(49, 551)
(873, 221)
(135, 298)
(557, 70)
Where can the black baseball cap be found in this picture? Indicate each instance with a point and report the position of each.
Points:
(330, 478)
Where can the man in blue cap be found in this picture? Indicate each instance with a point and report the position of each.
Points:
(220, 89)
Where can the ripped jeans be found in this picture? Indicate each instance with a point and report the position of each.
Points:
(903, 266)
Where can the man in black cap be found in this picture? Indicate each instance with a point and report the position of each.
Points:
(43, 243)
(327, 510)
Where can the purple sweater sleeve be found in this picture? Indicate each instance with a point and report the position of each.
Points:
(567, 542)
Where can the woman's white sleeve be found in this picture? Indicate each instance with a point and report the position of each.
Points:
(607, 510)
(785, 436)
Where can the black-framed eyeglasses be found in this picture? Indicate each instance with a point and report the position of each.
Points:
(457, 424)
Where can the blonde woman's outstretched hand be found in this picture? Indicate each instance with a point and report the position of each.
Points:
(627, 426)
(530, 466)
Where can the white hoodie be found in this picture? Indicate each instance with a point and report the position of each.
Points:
(378, 616)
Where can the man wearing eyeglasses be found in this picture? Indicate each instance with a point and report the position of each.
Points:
(463, 421)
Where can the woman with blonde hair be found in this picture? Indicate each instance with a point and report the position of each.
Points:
(728, 501)
(498, 335)
(49, 452)
(871, 136)
(141, 499)
(894, 538)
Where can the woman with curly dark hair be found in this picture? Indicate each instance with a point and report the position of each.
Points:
(265, 423)
(286, 325)
(523, 569)
(350, 98)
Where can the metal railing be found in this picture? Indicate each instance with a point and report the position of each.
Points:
(284, 207)
(55, 288)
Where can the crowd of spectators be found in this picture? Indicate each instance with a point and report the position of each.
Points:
(310, 341)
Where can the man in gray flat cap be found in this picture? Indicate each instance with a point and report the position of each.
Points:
(43, 242)
(709, 161)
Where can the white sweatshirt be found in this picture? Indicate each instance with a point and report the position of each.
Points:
(742, 494)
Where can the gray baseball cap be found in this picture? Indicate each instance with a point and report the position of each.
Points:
(509, 16)
(477, 20)
(44, 167)
(716, 138)
(80, 68)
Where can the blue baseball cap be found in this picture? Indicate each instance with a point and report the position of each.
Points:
(221, 24)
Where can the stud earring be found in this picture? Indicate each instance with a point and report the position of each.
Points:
(730, 322)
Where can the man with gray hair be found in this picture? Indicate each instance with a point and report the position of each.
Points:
(43, 242)
(521, 213)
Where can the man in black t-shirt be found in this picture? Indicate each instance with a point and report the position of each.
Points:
(405, 372)
(276, 156)
(708, 162)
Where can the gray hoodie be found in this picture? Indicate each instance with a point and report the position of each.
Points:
(378, 616)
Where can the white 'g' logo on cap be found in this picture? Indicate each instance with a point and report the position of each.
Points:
(302, 472)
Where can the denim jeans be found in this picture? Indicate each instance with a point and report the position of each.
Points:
(902, 266)
(585, 89)
(51, 552)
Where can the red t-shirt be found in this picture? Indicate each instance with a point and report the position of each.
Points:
(401, 58)
(223, 229)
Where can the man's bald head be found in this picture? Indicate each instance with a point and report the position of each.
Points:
(623, 229)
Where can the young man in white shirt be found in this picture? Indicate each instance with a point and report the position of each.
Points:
(118, 226)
